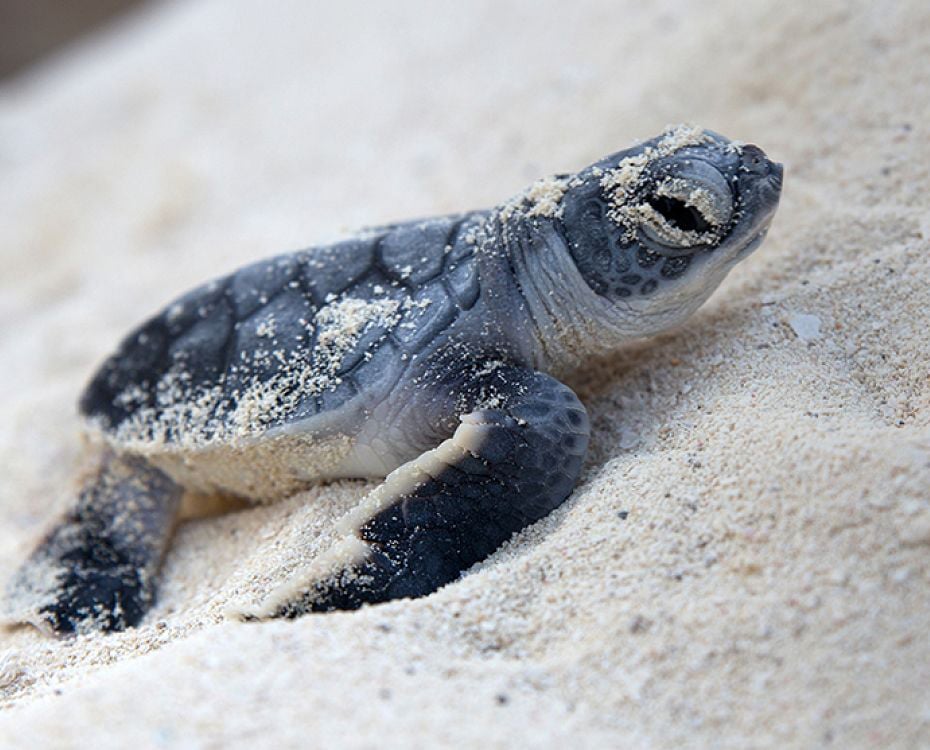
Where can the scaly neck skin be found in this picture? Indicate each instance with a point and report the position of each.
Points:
(555, 320)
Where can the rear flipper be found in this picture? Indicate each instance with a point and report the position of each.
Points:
(504, 468)
(96, 569)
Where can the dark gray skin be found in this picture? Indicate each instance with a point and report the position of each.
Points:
(449, 381)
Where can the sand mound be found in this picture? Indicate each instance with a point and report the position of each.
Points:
(745, 561)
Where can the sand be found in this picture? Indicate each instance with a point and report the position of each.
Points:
(745, 561)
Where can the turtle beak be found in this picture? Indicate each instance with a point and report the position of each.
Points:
(764, 174)
(776, 174)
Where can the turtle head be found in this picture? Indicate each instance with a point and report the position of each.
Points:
(655, 229)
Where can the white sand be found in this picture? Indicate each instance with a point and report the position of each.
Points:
(745, 563)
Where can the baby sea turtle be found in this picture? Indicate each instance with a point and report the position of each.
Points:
(427, 351)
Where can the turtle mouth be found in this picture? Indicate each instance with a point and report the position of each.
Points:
(752, 245)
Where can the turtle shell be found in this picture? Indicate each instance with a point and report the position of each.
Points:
(277, 343)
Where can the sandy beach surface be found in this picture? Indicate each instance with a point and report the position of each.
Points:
(745, 561)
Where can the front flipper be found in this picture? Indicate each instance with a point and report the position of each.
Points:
(96, 569)
(513, 458)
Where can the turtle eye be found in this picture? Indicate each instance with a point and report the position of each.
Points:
(679, 214)
(686, 209)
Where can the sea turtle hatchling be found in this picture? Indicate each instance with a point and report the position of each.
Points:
(426, 351)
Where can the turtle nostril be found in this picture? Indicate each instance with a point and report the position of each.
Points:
(755, 161)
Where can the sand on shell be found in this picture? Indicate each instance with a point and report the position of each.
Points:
(745, 562)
